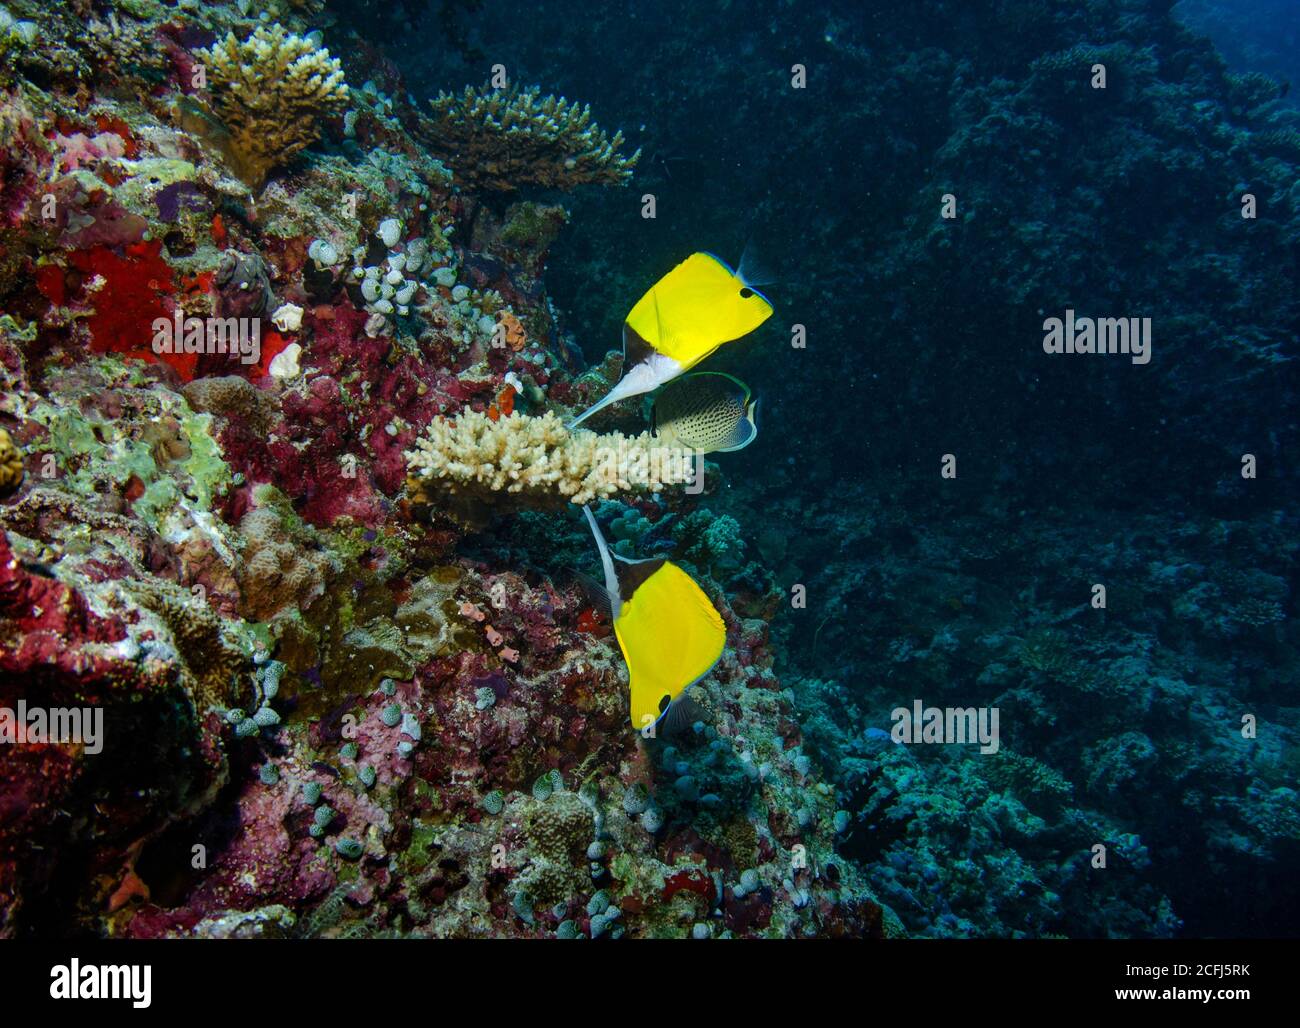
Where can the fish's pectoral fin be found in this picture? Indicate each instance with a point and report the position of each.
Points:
(597, 595)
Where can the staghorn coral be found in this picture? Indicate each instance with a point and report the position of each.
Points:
(11, 464)
(537, 460)
(271, 91)
(501, 140)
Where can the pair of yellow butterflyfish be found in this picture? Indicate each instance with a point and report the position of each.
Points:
(669, 631)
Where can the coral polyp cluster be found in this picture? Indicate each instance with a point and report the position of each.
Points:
(272, 91)
(501, 140)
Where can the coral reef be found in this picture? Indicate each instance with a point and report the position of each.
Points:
(256, 570)
(503, 140)
(321, 596)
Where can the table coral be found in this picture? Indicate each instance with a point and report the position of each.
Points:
(501, 140)
(272, 91)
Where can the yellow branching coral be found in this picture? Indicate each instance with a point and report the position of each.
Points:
(503, 139)
(11, 464)
(271, 91)
(535, 461)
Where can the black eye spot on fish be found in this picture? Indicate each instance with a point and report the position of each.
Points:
(663, 703)
(747, 292)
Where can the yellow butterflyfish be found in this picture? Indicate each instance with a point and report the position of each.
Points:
(695, 308)
(670, 633)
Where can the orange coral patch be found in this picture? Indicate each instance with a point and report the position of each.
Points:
(516, 337)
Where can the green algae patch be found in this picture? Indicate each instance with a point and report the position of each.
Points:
(209, 473)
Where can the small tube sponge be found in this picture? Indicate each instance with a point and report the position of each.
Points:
(272, 91)
(537, 461)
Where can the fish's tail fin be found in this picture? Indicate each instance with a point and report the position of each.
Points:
(746, 431)
(681, 713)
(754, 270)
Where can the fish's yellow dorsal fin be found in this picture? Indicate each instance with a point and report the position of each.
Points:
(670, 634)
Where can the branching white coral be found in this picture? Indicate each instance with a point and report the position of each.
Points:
(538, 458)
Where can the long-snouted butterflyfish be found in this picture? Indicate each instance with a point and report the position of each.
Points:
(708, 412)
(670, 634)
(685, 316)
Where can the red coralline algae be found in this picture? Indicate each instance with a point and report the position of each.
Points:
(128, 293)
(105, 122)
(273, 344)
(750, 912)
(590, 622)
(689, 880)
(264, 858)
(44, 612)
(50, 281)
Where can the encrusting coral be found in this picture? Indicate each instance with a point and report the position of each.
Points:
(11, 464)
(279, 569)
(271, 91)
(539, 460)
(501, 140)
